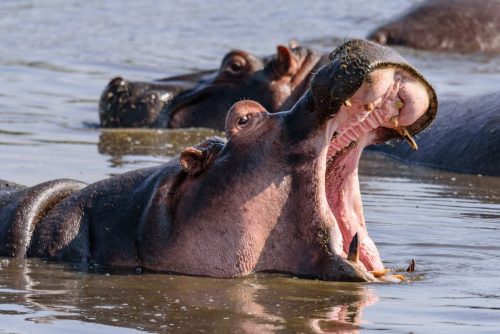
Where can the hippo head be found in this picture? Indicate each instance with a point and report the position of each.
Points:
(282, 194)
(202, 99)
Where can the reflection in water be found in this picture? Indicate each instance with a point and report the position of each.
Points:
(50, 83)
(45, 292)
(165, 143)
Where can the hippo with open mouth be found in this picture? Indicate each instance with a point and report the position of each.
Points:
(281, 194)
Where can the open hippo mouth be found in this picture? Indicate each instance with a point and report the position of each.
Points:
(393, 100)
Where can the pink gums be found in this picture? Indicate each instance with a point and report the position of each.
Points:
(344, 198)
(353, 125)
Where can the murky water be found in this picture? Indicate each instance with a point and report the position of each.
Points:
(57, 56)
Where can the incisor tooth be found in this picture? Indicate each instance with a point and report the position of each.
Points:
(369, 107)
(348, 103)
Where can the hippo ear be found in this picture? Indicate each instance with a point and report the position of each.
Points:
(192, 160)
(286, 65)
(195, 160)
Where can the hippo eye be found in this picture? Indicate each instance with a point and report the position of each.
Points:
(234, 67)
(243, 120)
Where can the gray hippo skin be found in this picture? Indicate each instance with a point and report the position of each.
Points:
(465, 137)
(446, 25)
(202, 99)
(281, 194)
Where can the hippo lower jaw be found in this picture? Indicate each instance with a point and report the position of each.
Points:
(393, 99)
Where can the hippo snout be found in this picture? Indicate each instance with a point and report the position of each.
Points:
(126, 104)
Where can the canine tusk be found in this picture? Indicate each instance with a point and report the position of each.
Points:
(353, 255)
(406, 135)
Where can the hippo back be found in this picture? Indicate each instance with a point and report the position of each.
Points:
(21, 208)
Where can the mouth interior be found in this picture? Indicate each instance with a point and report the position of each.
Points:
(390, 98)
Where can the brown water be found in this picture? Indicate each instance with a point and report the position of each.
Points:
(57, 56)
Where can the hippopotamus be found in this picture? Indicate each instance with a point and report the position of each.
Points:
(465, 137)
(463, 26)
(280, 193)
(202, 99)
(440, 149)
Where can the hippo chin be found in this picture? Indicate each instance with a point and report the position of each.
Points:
(202, 99)
(281, 194)
(446, 25)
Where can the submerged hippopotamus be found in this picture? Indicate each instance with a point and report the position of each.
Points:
(446, 25)
(465, 137)
(280, 194)
(202, 99)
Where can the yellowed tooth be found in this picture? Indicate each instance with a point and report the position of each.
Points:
(379, 273)
(406, 135)
(394, 121)
(348, 103)
(369, 107)
(399, 104)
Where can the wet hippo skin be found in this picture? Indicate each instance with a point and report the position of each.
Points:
(202, 99)
(280, 194)
(446, 25)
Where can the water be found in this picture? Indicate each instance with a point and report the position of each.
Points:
(55, 59)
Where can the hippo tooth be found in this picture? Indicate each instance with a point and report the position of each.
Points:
(353, 255)
(369, 107)
(380, 273)
(394, 121)
(399, 104)
(411, 267)
(406, 135)
(348, 103)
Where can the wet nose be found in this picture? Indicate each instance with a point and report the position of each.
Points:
(125, 103)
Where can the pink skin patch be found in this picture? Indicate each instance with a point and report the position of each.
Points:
(390, 98)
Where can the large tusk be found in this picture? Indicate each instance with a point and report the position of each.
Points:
(406, 135)
(353, 255)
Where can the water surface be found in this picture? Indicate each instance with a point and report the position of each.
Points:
(55, 59)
